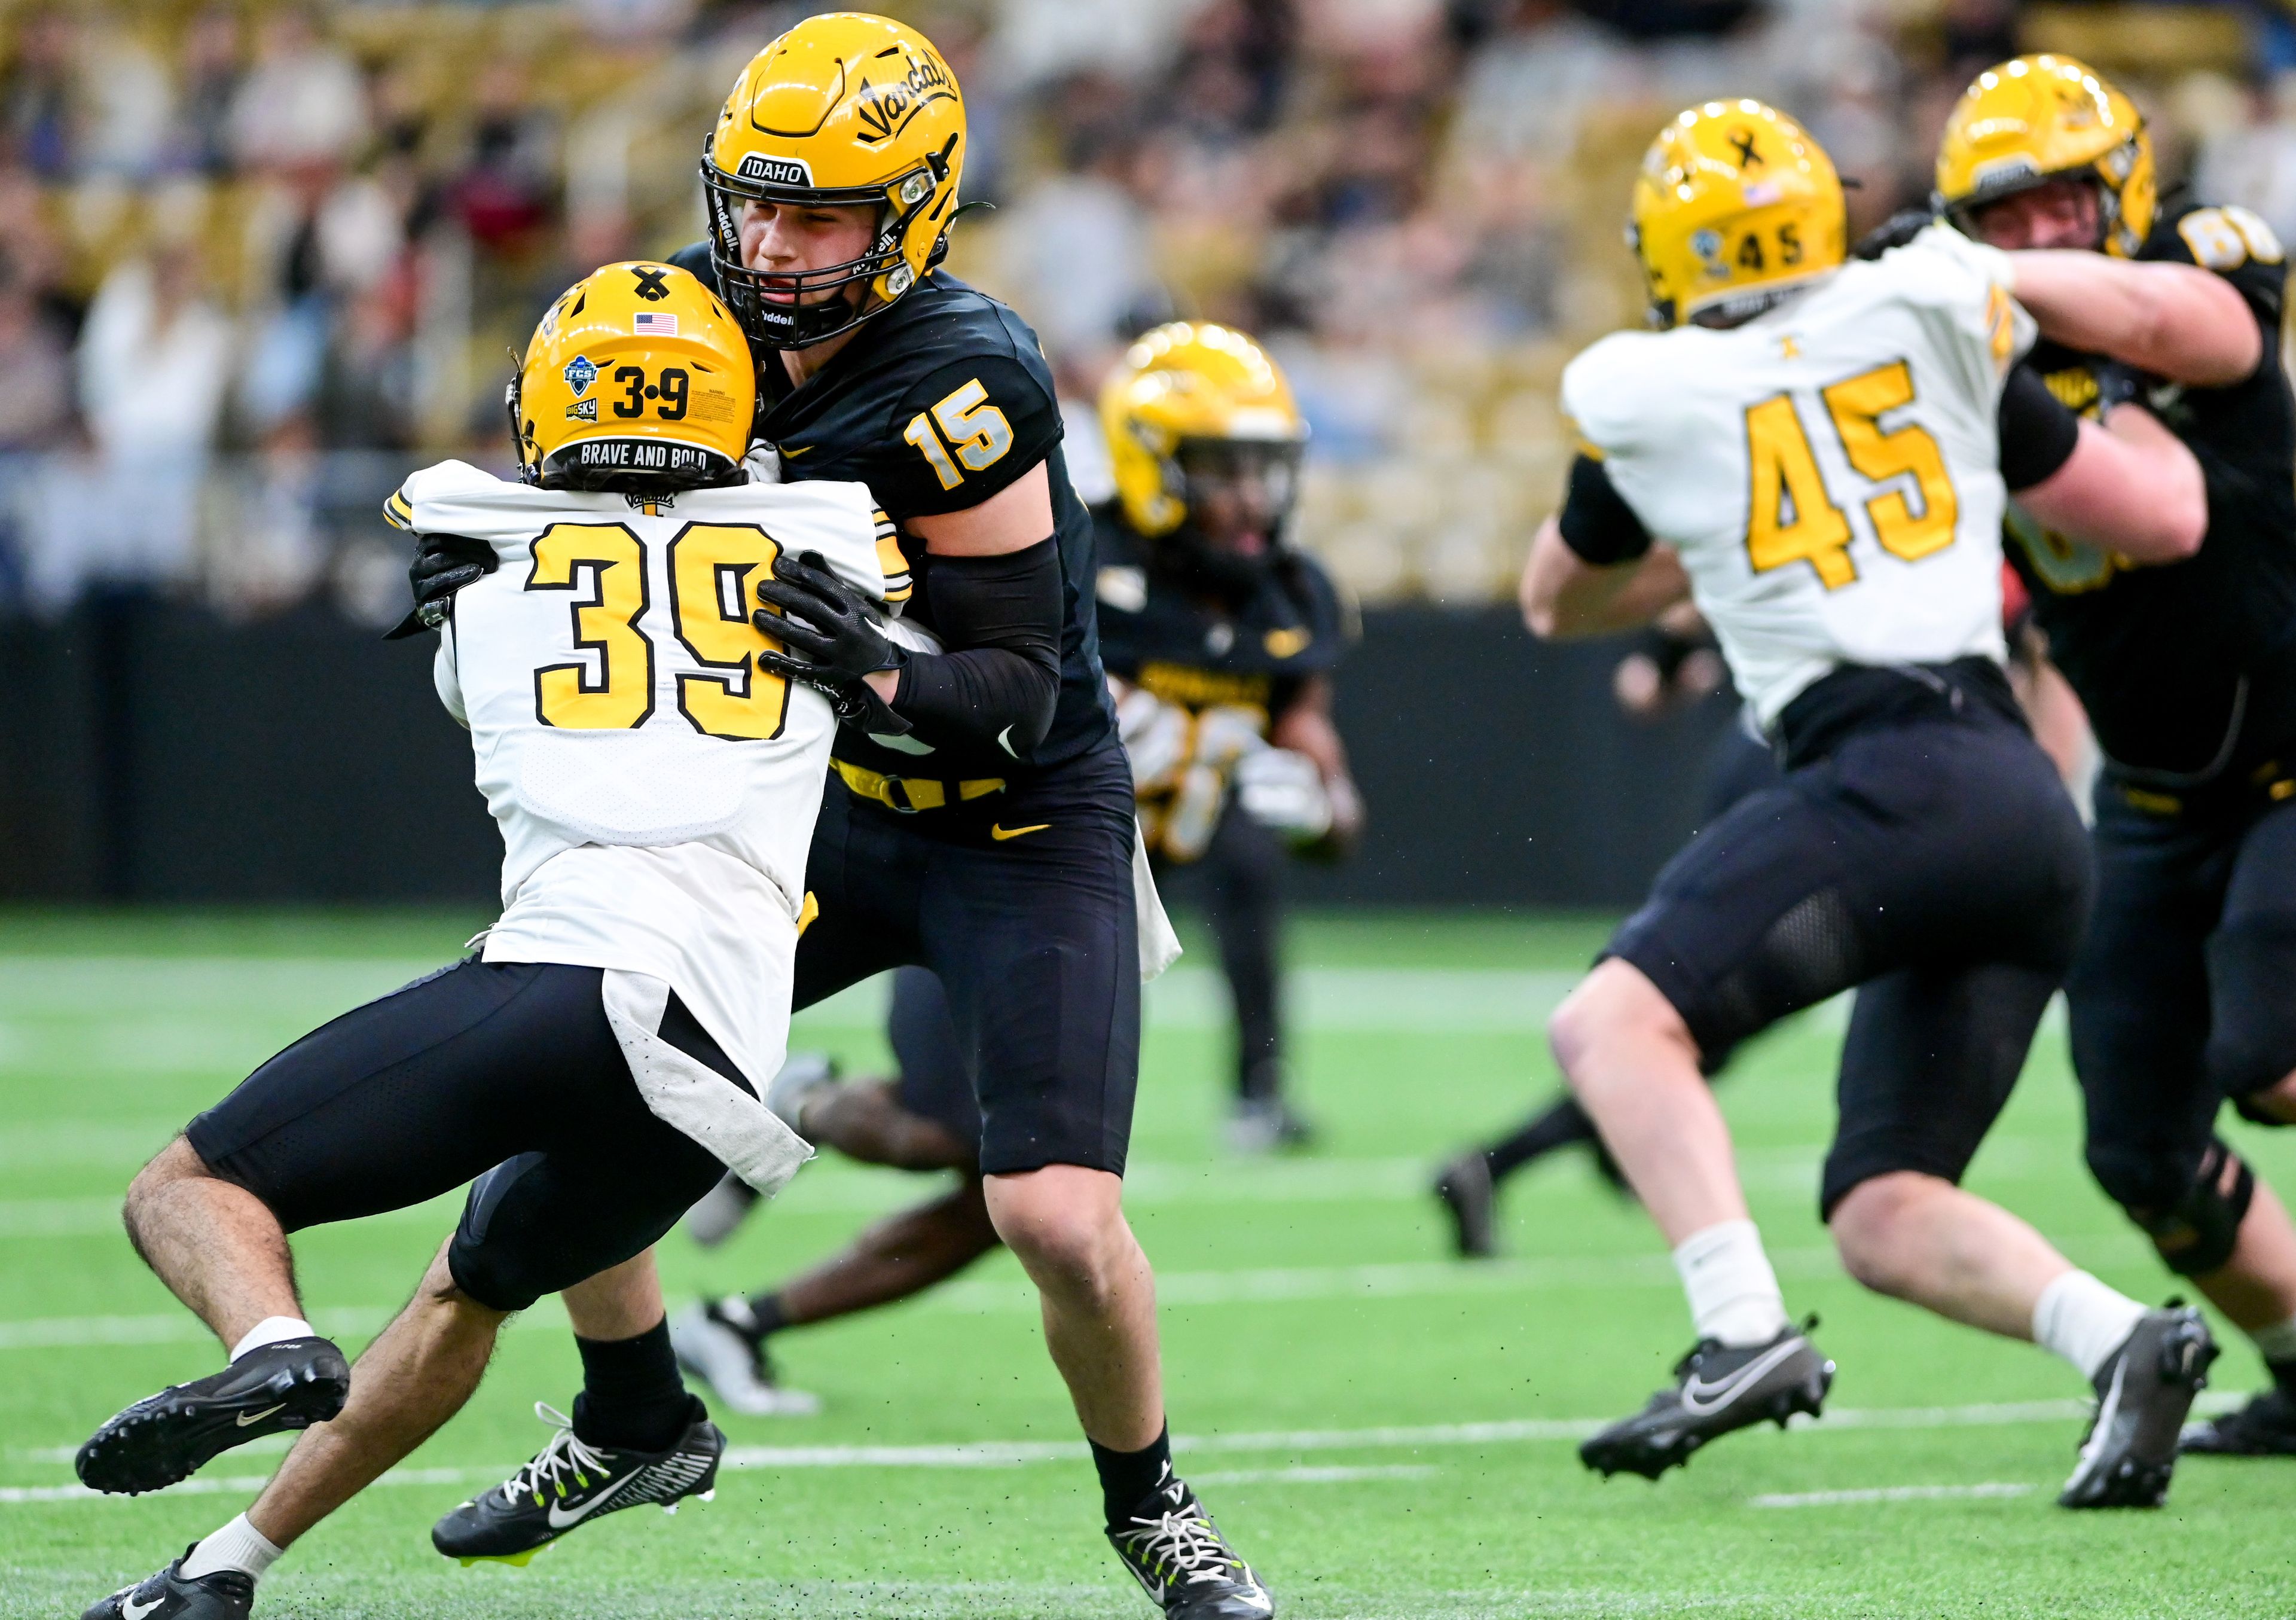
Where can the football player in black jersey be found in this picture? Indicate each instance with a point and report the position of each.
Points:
(2184, 993)
(1219, 639)
(980, 821)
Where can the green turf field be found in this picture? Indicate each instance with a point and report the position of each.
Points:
(1384, 1432)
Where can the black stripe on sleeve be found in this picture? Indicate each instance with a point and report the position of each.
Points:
(1598, 524)
(2038, 432)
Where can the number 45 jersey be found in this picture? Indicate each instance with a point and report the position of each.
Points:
(1828, 471)
(655, 789)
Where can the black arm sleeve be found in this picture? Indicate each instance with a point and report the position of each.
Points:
(2038, 432)
(1001, 618)
(1597, 522)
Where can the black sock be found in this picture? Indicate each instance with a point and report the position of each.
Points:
(767, 1316)
(631, 1398)
(1562, 1123)
(1127, 1477)
(2284, 1376)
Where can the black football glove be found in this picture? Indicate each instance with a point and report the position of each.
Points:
(2118, 384)
(1895, 232)
(443, 565)
(812, 612)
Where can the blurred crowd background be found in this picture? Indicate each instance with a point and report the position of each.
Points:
(257, 257)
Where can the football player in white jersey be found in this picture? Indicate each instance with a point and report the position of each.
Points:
(594, 1065)
(1818, 454)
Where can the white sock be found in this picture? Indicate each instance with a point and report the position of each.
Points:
(2276, 1343)
(271, 1331)
(2083, 1320)
(1734, 1293)
(238, 1545)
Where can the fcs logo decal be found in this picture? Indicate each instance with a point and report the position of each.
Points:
(776, 171)
(886, 110)
(579, 373)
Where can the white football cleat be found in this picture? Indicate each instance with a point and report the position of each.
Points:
(709, 1343)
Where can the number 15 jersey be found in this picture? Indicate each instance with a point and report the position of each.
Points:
(1828, 471)
(655, 789)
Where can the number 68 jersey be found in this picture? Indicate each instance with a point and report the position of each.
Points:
(1828, 471)
(655, 789)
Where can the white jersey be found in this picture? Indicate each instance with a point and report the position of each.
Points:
(1830, 470)
(656, 792)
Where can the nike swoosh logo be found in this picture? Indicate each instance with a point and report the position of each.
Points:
(2107, 1410)
(1005, 741)
(1700, 1397)
(562, 1518)
(1000, 833)
(133, 1610)
(245, 1419)
(790, 455)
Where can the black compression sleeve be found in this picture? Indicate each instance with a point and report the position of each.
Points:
(1597, 522)
(2038, 432)
(1000, 617)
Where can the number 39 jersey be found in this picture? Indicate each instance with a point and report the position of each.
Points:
(655, 789)
(1828, 471)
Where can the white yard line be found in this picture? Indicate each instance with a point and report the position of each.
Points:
(1889, 1493)
(1024, 1453)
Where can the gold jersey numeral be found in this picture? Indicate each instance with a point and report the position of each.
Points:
(713, 570)
(1786, 473)
(1857, 408)
(617, 693)
(980, 433)
(1793, 518)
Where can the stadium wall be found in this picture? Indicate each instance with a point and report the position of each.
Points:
(155, 753)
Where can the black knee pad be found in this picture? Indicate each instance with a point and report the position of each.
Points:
(2252, 1008)
(496, 1273)
(2195, 1233)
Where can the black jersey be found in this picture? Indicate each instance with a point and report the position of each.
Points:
(1158, 634)
(938, 402)
(2189, 669)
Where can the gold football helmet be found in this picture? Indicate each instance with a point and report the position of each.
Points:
(1191, 388)
(1735, 207)
(2036, 117)
(637, 379)
(844, 109)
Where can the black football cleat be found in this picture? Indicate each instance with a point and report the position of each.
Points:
(1463, 1188)
(1717, 1389)
(171, 1436)
(1182, 1563)
(2265, 1427)
(2144, 1391)
(227, 1594)
(568, 1484)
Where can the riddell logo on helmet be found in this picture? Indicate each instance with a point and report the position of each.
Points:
(776, 171)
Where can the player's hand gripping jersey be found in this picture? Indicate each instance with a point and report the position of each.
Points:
(656, 790)
(1828, 470)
